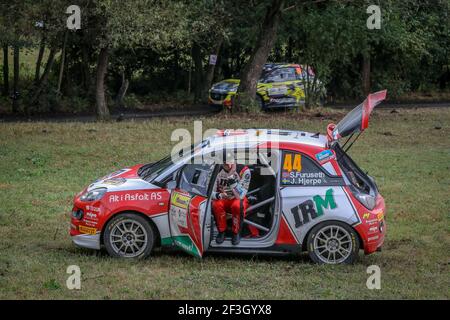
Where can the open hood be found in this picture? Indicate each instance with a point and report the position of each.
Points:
(356, 120)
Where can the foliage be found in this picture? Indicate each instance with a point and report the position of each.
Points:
(151, 42)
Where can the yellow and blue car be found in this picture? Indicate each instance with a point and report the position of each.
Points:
(280, 85)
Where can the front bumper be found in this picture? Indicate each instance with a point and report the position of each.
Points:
(221, 98)
(89, 241)
(86, 232)
(283, 102)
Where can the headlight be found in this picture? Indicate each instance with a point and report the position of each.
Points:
(93, 195)
(367, 200)
(77, 214)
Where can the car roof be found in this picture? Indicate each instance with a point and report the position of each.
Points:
(269, 66)
(254, 137)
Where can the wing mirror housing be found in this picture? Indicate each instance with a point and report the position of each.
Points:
(172, 184)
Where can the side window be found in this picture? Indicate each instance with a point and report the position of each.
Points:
(195, 178)
(299, 170)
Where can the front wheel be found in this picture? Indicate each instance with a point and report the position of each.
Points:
(333, 242)
(260, 102)
(129, 235)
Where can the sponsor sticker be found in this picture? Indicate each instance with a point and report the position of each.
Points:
(137, 196)
(179, 215)
(180, 200)
(324, 156)
(376, 217)
(179, 207)
(87, 230)
(91, 215)
(277, 91)
(93, 209)
(313, 208)
(380, 216)
(90, 223)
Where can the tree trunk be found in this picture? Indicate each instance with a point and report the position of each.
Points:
(190, 76)
(366, 74)
(225, 66)
(48, 66)
(85, 62)
(44, 78)
(5, 71)
(198, 72)
(265, 41)
(289, 51)
(37, 73)
(15, 103)
(210, 70)
(122, 91)
(102, 68)
(63, 61)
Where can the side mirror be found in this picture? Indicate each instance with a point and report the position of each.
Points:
(172, 184)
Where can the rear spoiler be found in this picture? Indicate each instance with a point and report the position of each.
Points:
(357, 120)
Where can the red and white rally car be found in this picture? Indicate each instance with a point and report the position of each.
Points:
(305, 194)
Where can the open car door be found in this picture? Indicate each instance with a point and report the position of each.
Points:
(356, 120)
(189, 209)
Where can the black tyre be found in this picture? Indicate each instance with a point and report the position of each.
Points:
(333, 242)
(129, 235)
(260, 102)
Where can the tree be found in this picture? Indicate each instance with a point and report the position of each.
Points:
(15, 28)
(121, 24)
(209, 26)
(5, 91)
(253, 68)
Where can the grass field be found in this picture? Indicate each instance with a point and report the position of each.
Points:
(43, 165)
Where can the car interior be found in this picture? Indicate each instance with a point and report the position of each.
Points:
(261, 195)
(261, 198)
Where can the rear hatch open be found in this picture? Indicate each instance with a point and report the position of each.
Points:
(357, 120)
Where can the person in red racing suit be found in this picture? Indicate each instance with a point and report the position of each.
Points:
(229, 195)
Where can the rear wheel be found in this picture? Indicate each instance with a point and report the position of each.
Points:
(333, 242)
(129, 235)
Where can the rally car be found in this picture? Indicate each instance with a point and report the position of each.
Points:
(305, 194)
(280, 85)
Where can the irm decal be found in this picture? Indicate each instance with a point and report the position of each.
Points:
(311, 209)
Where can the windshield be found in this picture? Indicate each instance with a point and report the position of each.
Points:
(150, 171)
(278, 75)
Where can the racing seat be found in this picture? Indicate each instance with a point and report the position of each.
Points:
(261, 197)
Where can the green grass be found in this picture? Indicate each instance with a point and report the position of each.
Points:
(43, 165)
